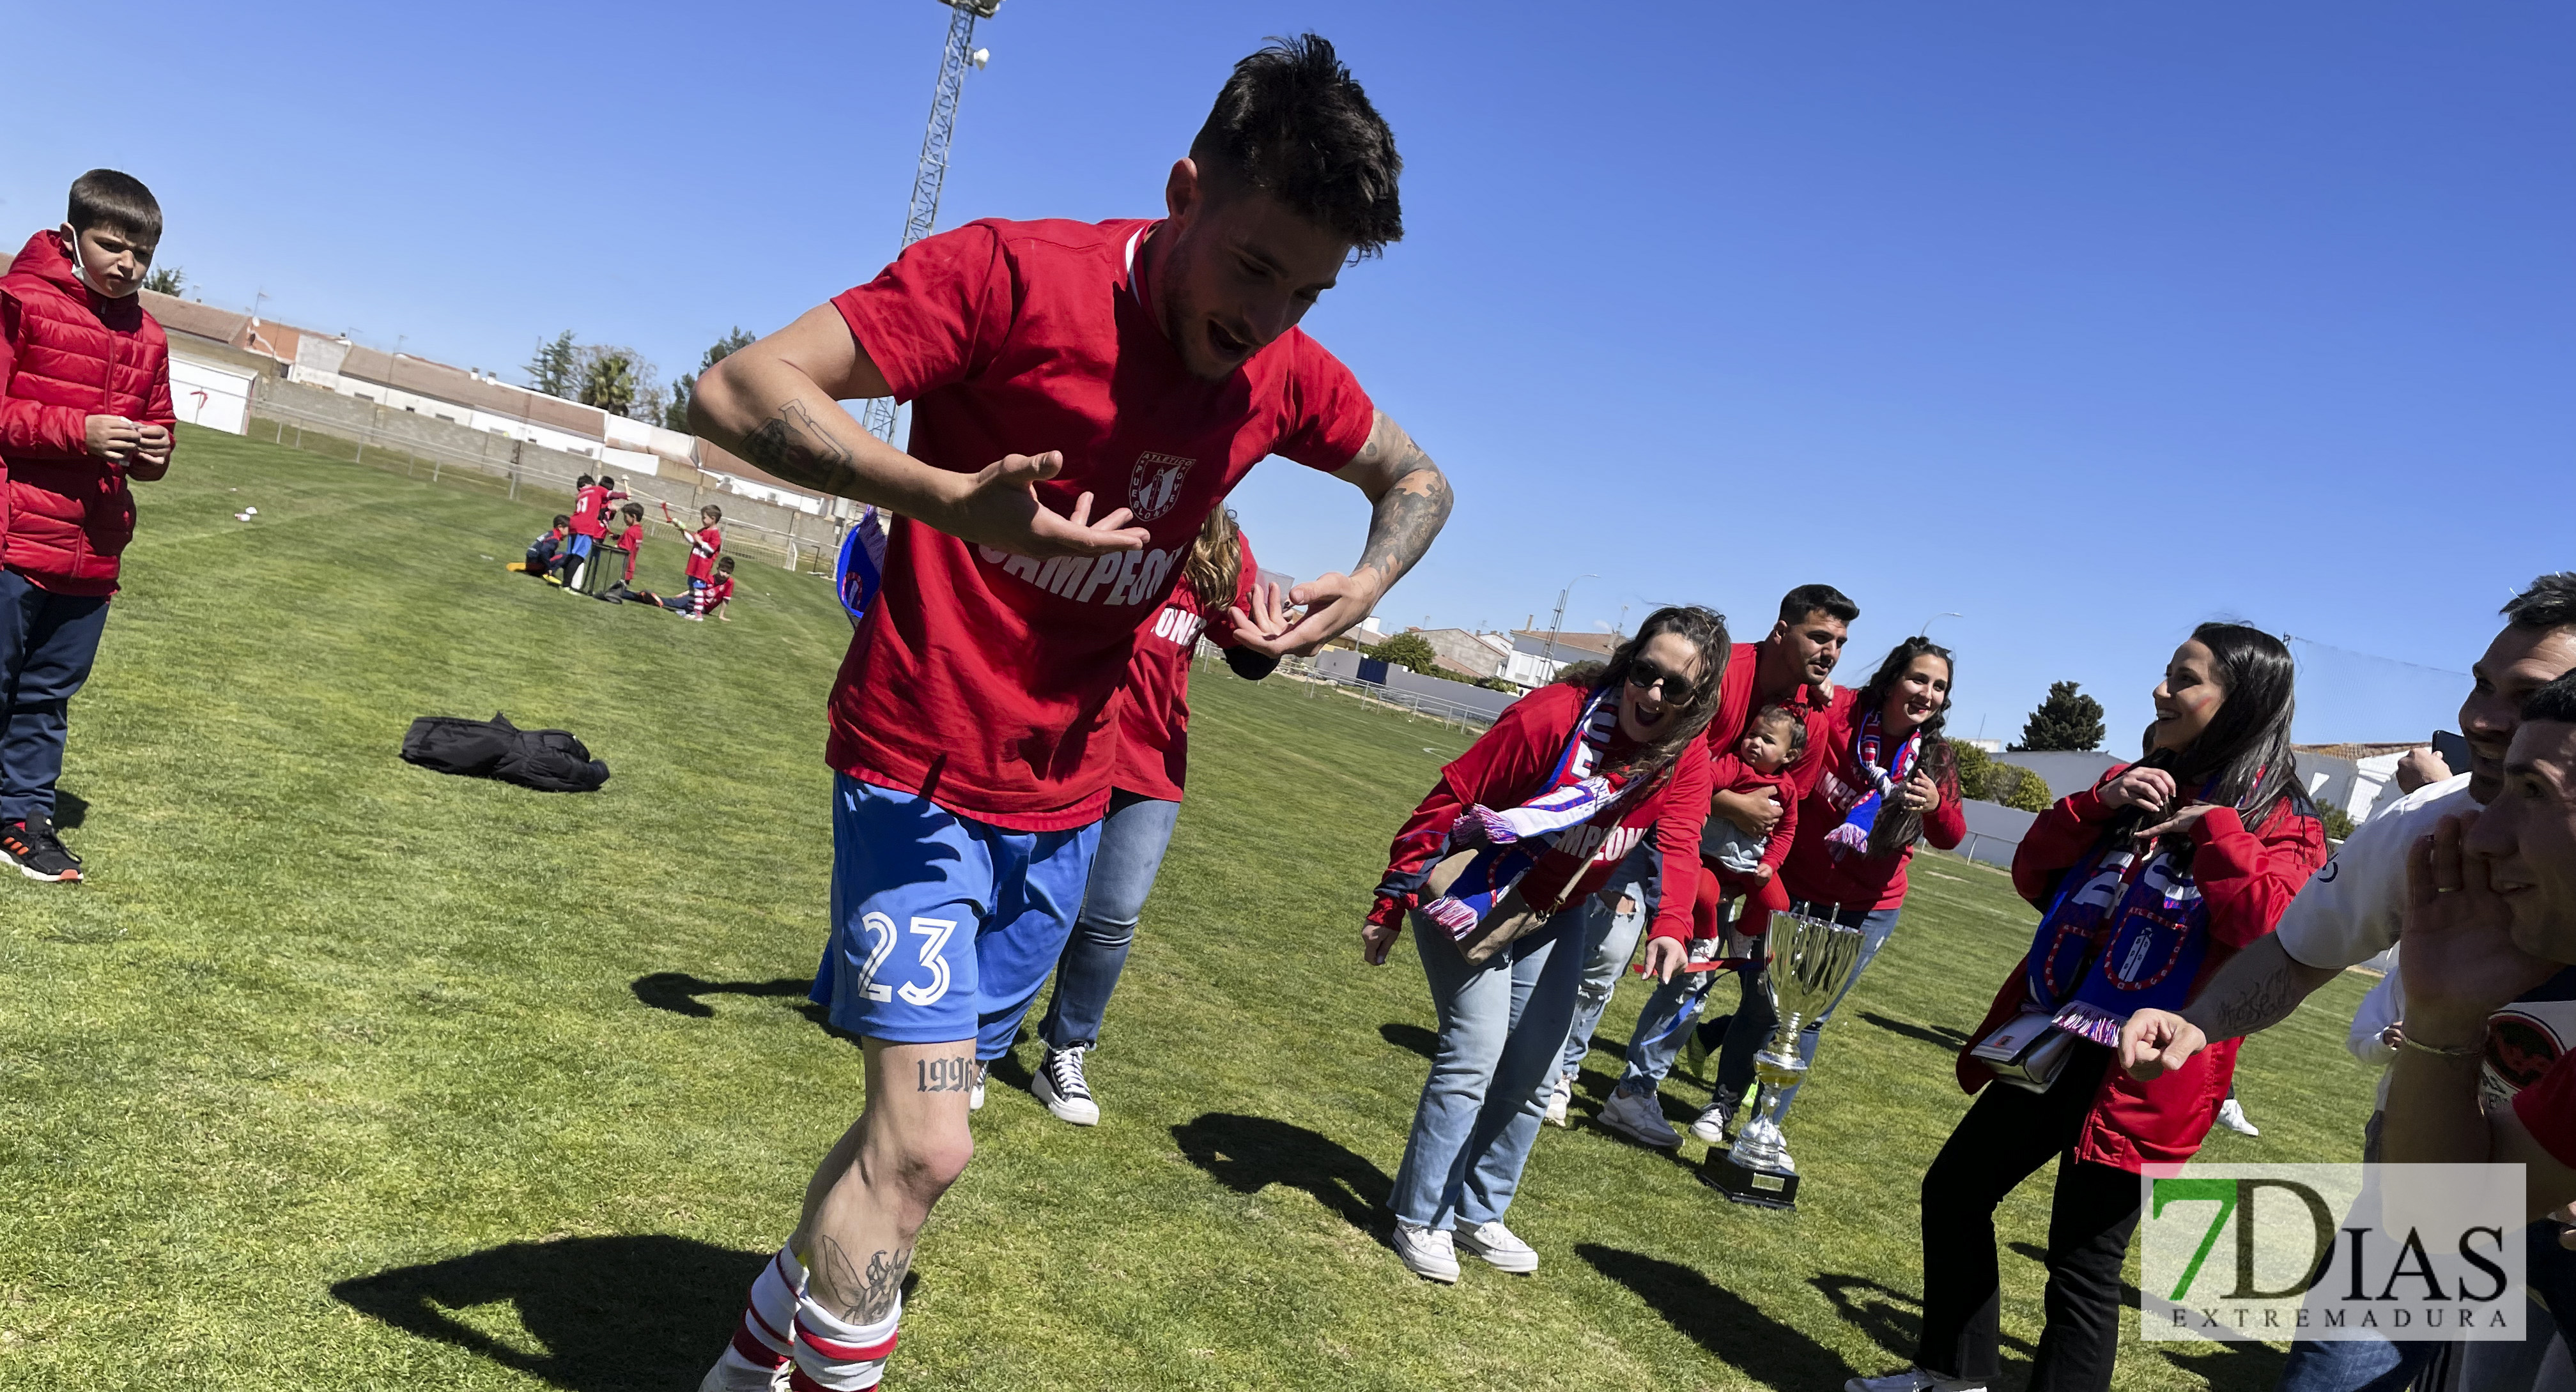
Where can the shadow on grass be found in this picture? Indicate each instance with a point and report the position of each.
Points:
(612, 1313)
(70, 810)
(1248, 1154)
(1720, 1321)
(1411, 1038)
(1939, 1036)
(678, 993)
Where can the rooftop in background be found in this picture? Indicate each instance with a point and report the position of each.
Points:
(1594, 644)
(2358, 751)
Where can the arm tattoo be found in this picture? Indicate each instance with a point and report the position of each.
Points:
(1410, 513)
(864, 1297)
(794, 446)
(2259, 1004)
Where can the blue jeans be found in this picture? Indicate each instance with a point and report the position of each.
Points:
(1502, 1029)
(2356, 1365)
(48, 643)
(1132, 840)
(1612, 940)
(1663, 1027)
(1753, 1025)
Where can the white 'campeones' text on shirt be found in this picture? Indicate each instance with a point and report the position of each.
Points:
(2352, 909)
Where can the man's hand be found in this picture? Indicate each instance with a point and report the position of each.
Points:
(1334, 603)
(2151, 789)
(998, 507)
(112, 438)
(2419, 767)
(1374, 941)
(1664, 956)
(1754, 814)
(1259, 628)
(2155, 1042)
(2459, 962)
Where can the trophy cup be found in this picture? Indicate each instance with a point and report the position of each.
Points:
(1812, 961)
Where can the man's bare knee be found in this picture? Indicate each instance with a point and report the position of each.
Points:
(923, 1166)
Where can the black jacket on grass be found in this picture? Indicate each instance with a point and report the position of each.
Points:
(550, 761)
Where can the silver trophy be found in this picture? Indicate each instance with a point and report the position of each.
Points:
(1812, 960)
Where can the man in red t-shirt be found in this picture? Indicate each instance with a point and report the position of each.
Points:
(2491, 913)
(1083, 394)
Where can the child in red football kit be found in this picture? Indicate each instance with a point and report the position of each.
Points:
(1735, 865)
(87, 408)
(631, 540)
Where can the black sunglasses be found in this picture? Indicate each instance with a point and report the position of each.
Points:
(1646, 676)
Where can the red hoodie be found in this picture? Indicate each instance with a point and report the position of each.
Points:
(66, 354)
(1854, 880)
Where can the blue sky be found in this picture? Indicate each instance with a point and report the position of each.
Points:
(2088, 323)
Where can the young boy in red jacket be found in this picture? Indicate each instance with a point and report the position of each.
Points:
(84, 407)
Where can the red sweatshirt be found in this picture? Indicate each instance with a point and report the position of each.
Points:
(1731, 773)
(1507, 766)
(2247, 878)
(1813, 872)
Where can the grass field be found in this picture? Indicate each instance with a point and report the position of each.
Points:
(341, 1074)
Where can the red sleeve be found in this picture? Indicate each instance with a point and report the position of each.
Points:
(1947, 825)
(1498, 769)
(937, 315)
(158, 409)
(2058, 839)
(2548, 1110)
(1328, 417)
(1677, 828)
(1825, 729)
(1785, 835)
(2248, 878)
(32, 429)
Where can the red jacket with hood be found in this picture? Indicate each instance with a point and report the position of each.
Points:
(2247, 878)
(66, 354)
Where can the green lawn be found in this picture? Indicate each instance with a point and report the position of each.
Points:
(342, 1074)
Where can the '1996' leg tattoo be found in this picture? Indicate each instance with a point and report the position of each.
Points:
(943, 1075)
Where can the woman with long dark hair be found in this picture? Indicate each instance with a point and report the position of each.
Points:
(2146, 883)
(1887, 781)
(1492, 870)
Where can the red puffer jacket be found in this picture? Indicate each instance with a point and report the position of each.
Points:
(67, 354)
(2247, 878)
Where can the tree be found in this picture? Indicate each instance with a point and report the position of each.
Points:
(556, 368)
(1974, 767)
(1411, 651)
(2338, 822)
(676, 415)
(608, 380)
(2066, 720)
(2015, 786)
(166, 280)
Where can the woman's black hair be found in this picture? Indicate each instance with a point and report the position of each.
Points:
(2243, 759)
(1895, 828)
(1703, 628)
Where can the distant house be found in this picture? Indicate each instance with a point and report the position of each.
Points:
(1536, 655)
(1462, 654)
(2355, 777)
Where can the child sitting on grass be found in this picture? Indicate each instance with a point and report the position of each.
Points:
(541, 552)
(702, 601)
(1736, 868)
(86, 409)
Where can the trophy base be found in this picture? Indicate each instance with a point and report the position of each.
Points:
(1746, 1184)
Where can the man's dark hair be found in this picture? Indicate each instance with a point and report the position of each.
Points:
(1808, 599)
(2549, 603)
(2555, 702)
(105, 198)
(1292, 123)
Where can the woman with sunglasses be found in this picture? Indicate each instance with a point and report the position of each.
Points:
(1888, 781)
(1518, 834)
(2146, 883)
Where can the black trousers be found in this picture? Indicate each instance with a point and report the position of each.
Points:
(2004, 1139)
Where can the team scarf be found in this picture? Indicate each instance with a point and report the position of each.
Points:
(1853, 834)
(1510, 843)
(2125, 933)
(859, 571)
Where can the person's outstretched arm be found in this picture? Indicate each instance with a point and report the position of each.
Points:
(777, 404)
(1410, 499)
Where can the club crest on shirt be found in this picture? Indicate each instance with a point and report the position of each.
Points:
(1155, 485)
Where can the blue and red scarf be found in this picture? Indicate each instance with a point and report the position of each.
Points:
(1883, 780)
(1511, 842)
(2124, 934)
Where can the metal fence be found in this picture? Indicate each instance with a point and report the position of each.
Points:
(805, 542)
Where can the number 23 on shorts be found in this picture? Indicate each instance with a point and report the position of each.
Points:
(934, 934)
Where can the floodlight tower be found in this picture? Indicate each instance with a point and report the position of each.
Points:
(959, 55)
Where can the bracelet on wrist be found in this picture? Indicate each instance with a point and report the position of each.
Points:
(2464, 1051)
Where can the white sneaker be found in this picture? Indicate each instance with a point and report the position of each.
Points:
(1913, 1380)
(1427, 1252)
(1639, 1117)
(975, 1090)
(2232, 1116)
(1496, 1244)
(1559, 1098)
(1064, 1090)
(1711, 1126)
(729, 1376)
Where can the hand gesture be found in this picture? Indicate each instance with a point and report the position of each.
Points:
(111, 438)
(1260, 627)
(1374, 941)
(2419, 767)
(1920, 793)
(998, 507)
(152, 443)
(2151, 789)
(1754, 814)
(2180, 823)
(1334, 603)
(2154, 1042)
(1664, 956)
(2459, 962)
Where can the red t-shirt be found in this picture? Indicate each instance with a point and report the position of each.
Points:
(2548, 1109)
(717, 591)
(586, 502)
(983, 680)
(1154, 709)
(633, 540)
(1735, 706)
(1854, 880)
(703, 546)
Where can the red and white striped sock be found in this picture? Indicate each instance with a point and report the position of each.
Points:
(763, 1340)
(833, 1355)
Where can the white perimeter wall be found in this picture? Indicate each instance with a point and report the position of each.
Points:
(213, 395)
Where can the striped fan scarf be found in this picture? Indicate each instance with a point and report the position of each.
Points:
(1514, 840)
(1853, 834)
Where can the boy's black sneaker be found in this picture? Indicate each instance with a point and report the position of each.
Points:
(39, 855)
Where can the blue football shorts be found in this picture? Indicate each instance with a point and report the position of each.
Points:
(943, 927)
(581, 545)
